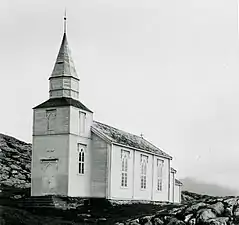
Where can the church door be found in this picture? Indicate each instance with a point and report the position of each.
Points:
(49, 172)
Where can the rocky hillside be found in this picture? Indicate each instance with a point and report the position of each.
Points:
(15, 181)
(207, 210)
(15, 158)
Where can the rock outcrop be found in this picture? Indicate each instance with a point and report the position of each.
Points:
(15, 162)
(205, 211)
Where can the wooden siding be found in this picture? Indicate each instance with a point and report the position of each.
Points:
(172, 186)
(48, 147)
(61, 121)
(133, 190)
(177, 194)
(99, 166)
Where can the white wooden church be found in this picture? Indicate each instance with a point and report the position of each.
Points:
(73, 155)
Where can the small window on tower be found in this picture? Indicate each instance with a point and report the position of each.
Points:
(82, 122)
(51, 117)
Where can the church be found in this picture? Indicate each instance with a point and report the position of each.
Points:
(74, 155)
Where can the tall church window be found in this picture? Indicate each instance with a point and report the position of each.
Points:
(143, 177)
(82, 122)
(51, 119)
(81, 159)
(124, 168)
(159, 175)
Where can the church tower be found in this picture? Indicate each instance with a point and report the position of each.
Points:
(64, 81)
(61, 151)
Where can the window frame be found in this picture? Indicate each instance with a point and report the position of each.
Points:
(143, 171)
(124, 182)
(82, 128)
(159, 183)
(81, 158)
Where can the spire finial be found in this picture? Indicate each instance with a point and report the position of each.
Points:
(65, 22)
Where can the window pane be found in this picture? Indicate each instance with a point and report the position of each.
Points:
(83, 156)
(82, 168)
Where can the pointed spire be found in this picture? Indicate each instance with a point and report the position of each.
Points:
(64, 65)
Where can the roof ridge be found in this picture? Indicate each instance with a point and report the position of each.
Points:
(119, 129)
(126, 138)
(132, 134)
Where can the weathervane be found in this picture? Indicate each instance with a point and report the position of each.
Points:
(65, 22)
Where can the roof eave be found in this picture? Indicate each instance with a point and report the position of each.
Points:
(101, 135)
(141, 150)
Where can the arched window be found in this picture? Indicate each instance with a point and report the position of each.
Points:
(124, 168)
(159, 174)
(81, 159)
(143, 180)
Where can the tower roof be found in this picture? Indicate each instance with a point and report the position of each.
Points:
(64, 65)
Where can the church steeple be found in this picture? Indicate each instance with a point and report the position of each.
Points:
(64, 81)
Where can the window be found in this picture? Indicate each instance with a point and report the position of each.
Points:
(51, 117)
(143, 180)
(124, 168)
(82, 122)
(159, 175)
(81, 158)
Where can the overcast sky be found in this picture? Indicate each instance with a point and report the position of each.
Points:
(166, 68)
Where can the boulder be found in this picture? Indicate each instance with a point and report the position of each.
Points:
(231, 201)
(134, 222)
(228, 211)
(158, 221)
(145, 219)
(236, 211)
(195, 207)
(218, 221)
(204, 215)
(192, 221)
(175, 221)
(188, 217)
(218, 208)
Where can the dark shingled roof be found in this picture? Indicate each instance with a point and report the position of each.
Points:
(124, 138)
(177, 182)
(55, 102)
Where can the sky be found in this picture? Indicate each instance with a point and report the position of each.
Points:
(166, 68)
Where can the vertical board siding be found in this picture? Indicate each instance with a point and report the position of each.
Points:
(172, 188)
(134, 191)
(99, 166)
(177, 193)
(79, 184)
(45, 147)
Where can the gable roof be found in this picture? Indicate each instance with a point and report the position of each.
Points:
(177, 182)
(124, 138)
(173, 170)
(55, 102)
